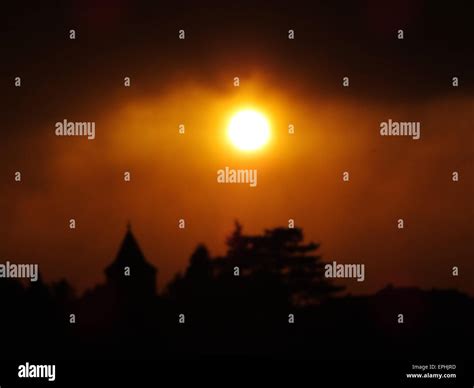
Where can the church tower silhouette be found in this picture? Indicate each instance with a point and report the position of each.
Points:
(130, 274)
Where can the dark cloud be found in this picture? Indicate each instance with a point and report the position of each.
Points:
(333, 39)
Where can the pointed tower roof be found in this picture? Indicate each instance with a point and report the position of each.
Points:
(130, 255)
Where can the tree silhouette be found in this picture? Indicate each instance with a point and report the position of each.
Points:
(279, 255)
(197, 283)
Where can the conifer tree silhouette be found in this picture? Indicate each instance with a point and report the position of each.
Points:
(281, 255)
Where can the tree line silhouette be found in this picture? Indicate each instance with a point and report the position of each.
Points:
(267, 296)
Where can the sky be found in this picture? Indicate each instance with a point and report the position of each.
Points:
(191, 82)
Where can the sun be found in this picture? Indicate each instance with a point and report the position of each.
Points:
(249, 130)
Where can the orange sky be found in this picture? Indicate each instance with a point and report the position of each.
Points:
(299, 177)
(191, 82)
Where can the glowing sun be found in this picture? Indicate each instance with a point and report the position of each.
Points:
(249, 130)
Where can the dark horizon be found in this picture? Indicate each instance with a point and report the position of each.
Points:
(161, 286)
(278, 304)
